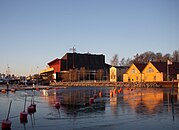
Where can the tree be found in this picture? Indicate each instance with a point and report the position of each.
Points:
(125, 62)
(166, 57)
(175, 55)
(158, 56)
(115, 60)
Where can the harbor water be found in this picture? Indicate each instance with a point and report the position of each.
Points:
(93, 108)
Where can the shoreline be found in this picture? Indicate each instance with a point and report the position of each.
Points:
(165, 84)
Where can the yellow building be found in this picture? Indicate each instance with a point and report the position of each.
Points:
(134, 73)
(155, 71)
(113, 74)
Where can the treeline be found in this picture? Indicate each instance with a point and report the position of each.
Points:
(146, 57)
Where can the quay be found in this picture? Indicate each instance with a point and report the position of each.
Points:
(164, 84)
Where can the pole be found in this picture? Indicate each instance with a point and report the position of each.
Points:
(25, 103)
(9, 110)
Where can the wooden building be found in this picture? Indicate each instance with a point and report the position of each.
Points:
(134, 73)
(116, 73)
(152, 72)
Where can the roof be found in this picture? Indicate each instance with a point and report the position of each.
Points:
(140, 66)
(174, 68)
(55, 60)
(160, 66)
(46, 70)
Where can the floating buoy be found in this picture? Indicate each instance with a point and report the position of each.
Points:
(119, 91)
(23, 114)
(6, 124)
(37, 89)
(100, 94)
(115, 91)
(3, 91)
(111, 93)
(23, 117)
(13, 90)
(47, 88)
(91, 101)
(94, 96)
(57, 105)
(30, 109)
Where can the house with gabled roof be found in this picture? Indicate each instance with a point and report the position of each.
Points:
(151, 72)
(155, 71)
(134, 73)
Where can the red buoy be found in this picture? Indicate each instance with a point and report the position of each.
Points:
(94, 96)
(57, 105)
(37, 89)
(91, 101)
(23, 117)
(6, 125)
(30, 109)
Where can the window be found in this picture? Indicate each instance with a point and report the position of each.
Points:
(150, 70)
(137, 78)
(154, 77)
(133, 71)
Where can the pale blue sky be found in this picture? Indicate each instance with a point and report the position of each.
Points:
(34, 32)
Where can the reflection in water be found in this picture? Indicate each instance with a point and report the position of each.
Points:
(121, 109)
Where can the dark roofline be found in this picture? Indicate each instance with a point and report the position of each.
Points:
(140, 66)
(53, 61)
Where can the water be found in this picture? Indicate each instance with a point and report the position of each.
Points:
(136, 109)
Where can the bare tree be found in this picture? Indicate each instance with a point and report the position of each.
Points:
(175, 55)
(158, 56)
(115, 60)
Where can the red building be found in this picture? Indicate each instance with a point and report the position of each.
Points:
(76, 66)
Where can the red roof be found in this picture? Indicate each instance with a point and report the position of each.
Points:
(55, 60)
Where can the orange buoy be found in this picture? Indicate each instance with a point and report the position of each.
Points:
(91, 101)
(57, 105)
(100, 94)
(6, 125)
(119, 91)
(13, 90)
(3, 91)
(111, 93)
(115, 91)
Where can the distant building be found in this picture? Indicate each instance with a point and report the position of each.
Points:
(116, 73)
(152, 72)
(76, 67)
(134, 73)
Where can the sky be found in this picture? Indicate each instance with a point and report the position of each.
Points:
(34, 32)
